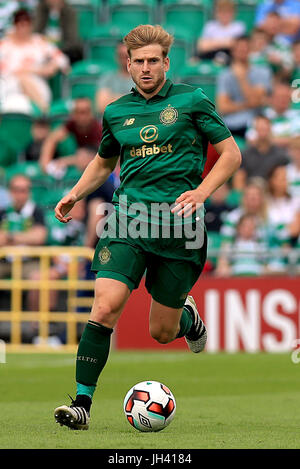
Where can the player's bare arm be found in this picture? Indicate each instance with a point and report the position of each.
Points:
(95, 174)
(228, 162)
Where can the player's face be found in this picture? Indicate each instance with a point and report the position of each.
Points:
(148, 68)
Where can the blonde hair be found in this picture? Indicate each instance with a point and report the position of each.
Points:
(146, 34)
(225, 5)
(259, 184)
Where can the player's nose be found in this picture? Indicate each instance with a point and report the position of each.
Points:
(145, 67)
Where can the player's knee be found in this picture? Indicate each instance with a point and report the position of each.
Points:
(162, 336)
(104, 314)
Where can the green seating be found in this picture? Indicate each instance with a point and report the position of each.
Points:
(188, 14)
(214, 240)
(87, 14)
(103, 41)
(59, 111)
(56, 85)
(181, 50)
(15, 130)
(8, 155)
(203, 74)
(245, 11)
(84, 77)
(131, 12)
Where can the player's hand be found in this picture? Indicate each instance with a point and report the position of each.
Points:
(64, 206)
(188, 202)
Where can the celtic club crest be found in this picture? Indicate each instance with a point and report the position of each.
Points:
(169, 115)
(104, 255)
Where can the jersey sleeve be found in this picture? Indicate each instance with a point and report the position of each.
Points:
(207, 120)
(109, 146)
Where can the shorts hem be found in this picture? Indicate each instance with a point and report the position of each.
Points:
(116, 276)
(167, 301)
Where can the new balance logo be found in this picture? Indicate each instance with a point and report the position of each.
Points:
(129, 121)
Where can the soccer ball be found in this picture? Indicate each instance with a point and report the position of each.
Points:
(149, 406)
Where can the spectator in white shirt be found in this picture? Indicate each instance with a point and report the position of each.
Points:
(27, 61)
(217, 36)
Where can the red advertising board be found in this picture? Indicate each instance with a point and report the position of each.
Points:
(250, 314)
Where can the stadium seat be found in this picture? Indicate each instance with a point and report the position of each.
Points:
(245, 11)
(59, 111)
(84, 77)
(87, 15)
(15, 130)
(214, 243)
(67, 147)
(234, 198)
(56, 85)
(203, 74)
(102, 43)
(188, 14)
(181, 50)
(131, 12)
(8, 155)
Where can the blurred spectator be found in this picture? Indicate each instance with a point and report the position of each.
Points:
(293, 168)
(285, 121)
(279, 51)
(289, 12)
(217, 36)
(21, 223)
(70, 234)
(245, 257)
(40, 129)
(82, 124)
(260, 156)
(283, 216)
(259, 41)
(253, 203)
(57, 20)
(242, 89)
(295, 71)
(8, 8)
(112, 85)
(27, 60)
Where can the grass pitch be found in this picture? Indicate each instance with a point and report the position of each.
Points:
(223, 401)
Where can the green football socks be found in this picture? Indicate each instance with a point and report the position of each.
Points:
(186, 322)
(92, 354)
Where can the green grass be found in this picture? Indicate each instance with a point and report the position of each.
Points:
(223, 401)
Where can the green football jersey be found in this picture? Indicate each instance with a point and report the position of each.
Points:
(162, 142)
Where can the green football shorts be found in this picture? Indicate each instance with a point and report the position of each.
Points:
(171, 270)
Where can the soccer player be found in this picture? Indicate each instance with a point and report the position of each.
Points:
(160, 131)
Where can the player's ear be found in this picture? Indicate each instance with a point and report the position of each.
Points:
(128, 64)
(166, 63)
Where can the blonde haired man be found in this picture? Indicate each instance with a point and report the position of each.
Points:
(160, 132)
